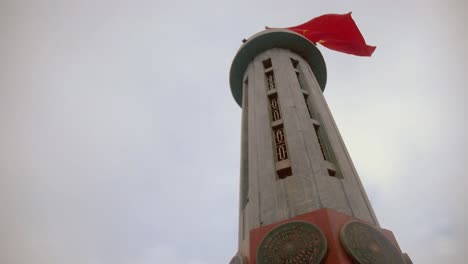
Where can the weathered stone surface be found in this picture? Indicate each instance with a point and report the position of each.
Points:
(407, 259)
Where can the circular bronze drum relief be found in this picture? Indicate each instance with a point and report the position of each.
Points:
(368, 245)
(293, 243)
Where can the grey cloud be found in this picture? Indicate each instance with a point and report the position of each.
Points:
(120, 139)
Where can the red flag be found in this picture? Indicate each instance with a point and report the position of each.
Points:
(336, 32)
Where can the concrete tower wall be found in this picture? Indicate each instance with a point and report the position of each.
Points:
(323, 175)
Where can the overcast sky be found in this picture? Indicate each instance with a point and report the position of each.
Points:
(119, 137)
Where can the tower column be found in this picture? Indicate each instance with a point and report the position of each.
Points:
(299, 190)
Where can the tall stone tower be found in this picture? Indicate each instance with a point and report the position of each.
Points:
(301, 199)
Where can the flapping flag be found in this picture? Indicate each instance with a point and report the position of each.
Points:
(336, 32)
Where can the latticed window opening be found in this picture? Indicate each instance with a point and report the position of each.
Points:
(283, 164)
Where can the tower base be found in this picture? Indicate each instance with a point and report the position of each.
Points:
(324, 236)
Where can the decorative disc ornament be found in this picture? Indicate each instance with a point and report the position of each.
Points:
(367, 245)
(293, 243)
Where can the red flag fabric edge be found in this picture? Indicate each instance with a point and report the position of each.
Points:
(338, 32)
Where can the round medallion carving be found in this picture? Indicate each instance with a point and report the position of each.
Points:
(367, 245)
(293, 243)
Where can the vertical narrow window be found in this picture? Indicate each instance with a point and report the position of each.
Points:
(327, 156)
(306, 100)
(267, 64)
(283, 164)
(281, 151)
(270, 78)
(327, 153)
(274, 105)
(295, 64)
(317, 133)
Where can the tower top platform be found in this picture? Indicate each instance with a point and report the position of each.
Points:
(269, 39)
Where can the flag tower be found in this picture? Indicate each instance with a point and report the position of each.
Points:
(301, 199)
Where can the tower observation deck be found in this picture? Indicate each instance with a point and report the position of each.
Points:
(301, 198)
